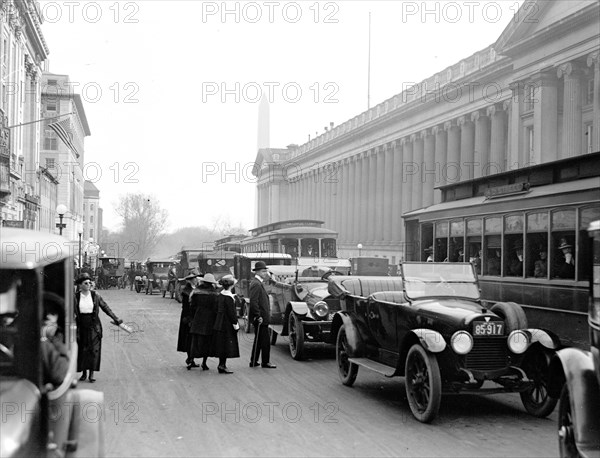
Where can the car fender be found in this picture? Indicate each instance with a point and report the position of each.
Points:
(353, 336)
(299, 308)
(430, 340)
(576, 368)
(545, 338)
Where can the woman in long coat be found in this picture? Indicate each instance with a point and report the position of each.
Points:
(204, 309)
(226, 325)
(184, 338)
(89, 328)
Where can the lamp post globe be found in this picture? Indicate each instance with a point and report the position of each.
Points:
(61, 209)
(360, 247)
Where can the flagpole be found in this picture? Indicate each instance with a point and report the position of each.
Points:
(369, 68)
(40, 120)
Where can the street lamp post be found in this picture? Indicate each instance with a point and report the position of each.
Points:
(359, 246)
(79, 264)
(61, 209)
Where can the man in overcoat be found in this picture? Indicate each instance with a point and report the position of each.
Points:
(260, 316)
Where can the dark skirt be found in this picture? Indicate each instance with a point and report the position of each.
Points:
(201, 346)
(226, 344)
(89, 345)
(184, 339)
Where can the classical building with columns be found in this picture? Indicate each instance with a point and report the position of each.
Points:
(530, 98)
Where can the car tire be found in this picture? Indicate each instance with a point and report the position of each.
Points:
(537, 400)
(566, 430)
(346, 370)
(296, 336)
(512, 313)
(423, 383)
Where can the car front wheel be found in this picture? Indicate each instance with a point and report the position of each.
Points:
(537, 400)
(423, 383)
(296, 336)
(347, 370)
(566, 430)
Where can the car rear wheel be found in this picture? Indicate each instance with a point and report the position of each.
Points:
(512, 313)
(296, 336)
(566, 430)
(347, 370)
(537, 400)
(423, 383)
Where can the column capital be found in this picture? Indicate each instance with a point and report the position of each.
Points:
(463, 120)
(516, 87)
(493, 109)
(593, 59)
(568, 69)
(437, 129)
(476, 115)
(424, 133)
(448, 125)
(413, 138)
(507, 104)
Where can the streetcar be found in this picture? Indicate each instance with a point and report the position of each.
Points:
(525, 231)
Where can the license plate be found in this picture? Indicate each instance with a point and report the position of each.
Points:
(491, 328)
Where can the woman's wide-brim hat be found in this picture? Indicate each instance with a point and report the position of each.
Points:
(260, 265)
(228, 279)
(209, 278)
(193, 274)
(564, 244)
(83, 277)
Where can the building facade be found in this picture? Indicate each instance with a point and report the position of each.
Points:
(23, 49)
(91, 212)
(63, 161)
(530, 98)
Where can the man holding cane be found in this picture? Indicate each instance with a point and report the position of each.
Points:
(260, 315)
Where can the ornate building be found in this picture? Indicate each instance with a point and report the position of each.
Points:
(530, 98)
(22, 52)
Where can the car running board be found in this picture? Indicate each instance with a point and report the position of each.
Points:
(374, 366)
(277, 328)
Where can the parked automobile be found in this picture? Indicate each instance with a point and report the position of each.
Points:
(157, 277)
(187, 261)
(243, 263)
(41, 403)
(110, 272)
(575, 376)
(430, 326)
(218, 262)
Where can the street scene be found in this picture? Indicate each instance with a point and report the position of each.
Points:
(326, 228)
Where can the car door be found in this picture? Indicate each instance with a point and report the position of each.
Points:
(383, 322)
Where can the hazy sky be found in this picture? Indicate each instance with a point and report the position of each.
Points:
(171, 88)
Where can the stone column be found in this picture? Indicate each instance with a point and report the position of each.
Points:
(357, 215)
(451, 169)
(363, 200)
(441, 147)
(397, 193)
(481, 153)
(497, 140)
(545, 118)
(388, 193)
(515, 129)
(417, 181)
(371, 221)
(467, 147)
(428, 172)
(593, 60)
(346, 209)
(572, 118)
(380, 193)
(408, 168)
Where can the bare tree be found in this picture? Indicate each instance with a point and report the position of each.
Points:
(144, 221)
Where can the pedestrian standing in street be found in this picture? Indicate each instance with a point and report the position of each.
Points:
(203, 304)
(184, 338)
(89, 328)
(260, 316)
(226, 325)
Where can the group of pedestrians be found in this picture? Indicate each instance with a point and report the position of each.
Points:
(208, 325)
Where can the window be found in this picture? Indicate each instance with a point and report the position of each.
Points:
(52, 82)
(474, 251)
(513, 245)
(50, 106)
(562, 239)
(536, 254)
(492, 246)
(529, 97)
(50, 140)
(92, 233)
(50, 163)
(530, 144)
(91, 207)
(441, 241)
(91, 219)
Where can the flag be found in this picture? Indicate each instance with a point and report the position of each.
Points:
(63, 131)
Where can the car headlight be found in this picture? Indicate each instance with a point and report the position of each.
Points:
(321, 309)
(518, 341)
(461, 342)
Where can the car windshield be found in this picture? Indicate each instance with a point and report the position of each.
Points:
(428, 279)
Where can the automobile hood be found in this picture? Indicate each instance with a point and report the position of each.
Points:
(453, 313)
(21, 407)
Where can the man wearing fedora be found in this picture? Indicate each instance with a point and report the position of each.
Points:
(515, 268)
(566, 267)
(260, 316)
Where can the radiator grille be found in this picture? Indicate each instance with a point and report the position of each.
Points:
(488, 354)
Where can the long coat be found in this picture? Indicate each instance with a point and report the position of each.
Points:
(183, 338)
(225, 337)
(203, 304)
(259, 302)
(89, 332)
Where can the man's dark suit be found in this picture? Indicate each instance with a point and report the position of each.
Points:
(259, 308)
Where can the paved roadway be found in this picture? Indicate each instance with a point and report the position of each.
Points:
(154, 406)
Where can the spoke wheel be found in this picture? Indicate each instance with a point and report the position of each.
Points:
(423, 384)
(566, 430)
(346, 370)
(537, 400)
(296, 336)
